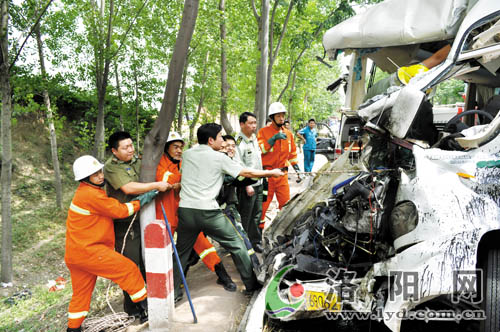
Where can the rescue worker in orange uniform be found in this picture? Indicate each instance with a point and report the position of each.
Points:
(277, 146)
(168, 171)
(90, 242)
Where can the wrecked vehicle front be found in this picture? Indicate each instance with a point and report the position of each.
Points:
(412, 218)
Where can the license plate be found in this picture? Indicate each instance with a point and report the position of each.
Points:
(322, 301)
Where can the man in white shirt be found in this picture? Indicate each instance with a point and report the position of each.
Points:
(203, 169)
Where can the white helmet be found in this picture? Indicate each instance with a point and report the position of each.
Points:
(174, 136)
(276, 108)
(85, 166)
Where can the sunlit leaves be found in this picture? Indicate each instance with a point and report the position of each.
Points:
(142, 44)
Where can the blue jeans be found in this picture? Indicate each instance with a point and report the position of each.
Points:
(309, 160)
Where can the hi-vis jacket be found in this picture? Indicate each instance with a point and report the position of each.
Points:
(169, 172)
(90, 221)
(282, 150)
(90, 249)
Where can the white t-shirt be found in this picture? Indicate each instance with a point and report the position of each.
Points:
(203, 171)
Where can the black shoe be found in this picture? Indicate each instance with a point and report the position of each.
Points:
(224, 278)
(143, 308)
(78, 329)
(178, 296)
(258, 248)
(250, 291)
(130, 307)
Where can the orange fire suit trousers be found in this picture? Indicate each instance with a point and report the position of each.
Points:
(107, 263)
(280, 187)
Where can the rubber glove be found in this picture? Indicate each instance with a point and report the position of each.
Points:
(276, 137)
(405, 74)
(146, 197)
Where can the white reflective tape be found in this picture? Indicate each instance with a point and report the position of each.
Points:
(139, 294)
(79, 210)
(166, 175)
(76, 315)
(251, 252)
(206, 252)
(130, 208)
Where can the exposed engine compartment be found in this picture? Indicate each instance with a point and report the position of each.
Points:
(350, 230)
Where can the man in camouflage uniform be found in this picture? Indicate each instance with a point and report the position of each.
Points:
(250, 197)
(121, 172)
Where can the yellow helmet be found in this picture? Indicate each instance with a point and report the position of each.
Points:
(405, 74)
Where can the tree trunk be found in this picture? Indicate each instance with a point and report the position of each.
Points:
(224, 88)
(306, 101)
(182, 101)
(261, 86)
(273, 54)
(50, 121)
(154, 141)
(257, 72)
(102, 84)
(6, 177)
(120, 98)
(137, 106)
(193, 124)
(200, 104)
(290, 98)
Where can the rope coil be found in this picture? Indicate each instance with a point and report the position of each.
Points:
(115, 322)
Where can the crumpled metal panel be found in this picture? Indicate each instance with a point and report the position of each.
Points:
(398, 22)
(434, 261)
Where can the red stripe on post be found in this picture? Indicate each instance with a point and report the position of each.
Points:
(155, 236)
(157, 285)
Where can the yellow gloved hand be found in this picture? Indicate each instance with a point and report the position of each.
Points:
(405, 74)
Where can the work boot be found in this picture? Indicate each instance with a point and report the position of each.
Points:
(143, 308)
(78, 329)
(258, 248)
(224, 278)
(178, 295)
(250, 290)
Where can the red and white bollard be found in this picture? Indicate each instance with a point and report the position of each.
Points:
(159, 275)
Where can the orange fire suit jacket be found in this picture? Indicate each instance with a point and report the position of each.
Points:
(90, 243)
(282, 150)
(169, 172)
(90, 221)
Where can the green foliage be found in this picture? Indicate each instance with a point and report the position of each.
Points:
(43, 311)
(74, 51)
(449, 92)
(37, 224)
